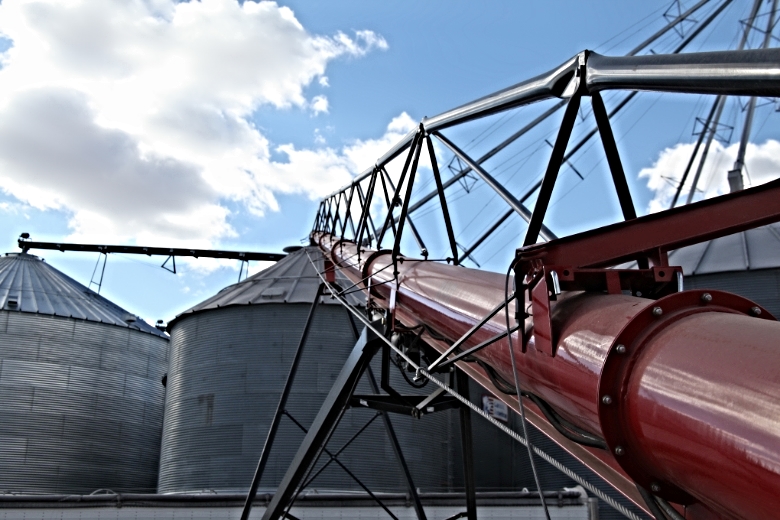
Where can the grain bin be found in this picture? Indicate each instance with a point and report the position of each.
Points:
(229, 360)
(746, 263)
(81, 399)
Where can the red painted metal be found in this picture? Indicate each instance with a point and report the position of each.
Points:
(653, 235)
(695, 409)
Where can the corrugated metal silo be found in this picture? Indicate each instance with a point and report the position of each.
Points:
(81, 399)
(230, 356)
(746, 263)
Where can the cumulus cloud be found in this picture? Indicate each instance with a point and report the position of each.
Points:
(318, 172)
(134, 117)
(762, 165)
(319, 104)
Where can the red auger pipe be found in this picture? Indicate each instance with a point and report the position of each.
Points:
(685, 390)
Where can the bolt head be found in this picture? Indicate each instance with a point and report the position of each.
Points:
(619, 450)
(706, 297)
(620, 349)
(755, 311)
(655, 488)
(606, 399)
(657, 311)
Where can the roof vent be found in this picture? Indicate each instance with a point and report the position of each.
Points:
(129, 318)
(12, 302)
(273, 292)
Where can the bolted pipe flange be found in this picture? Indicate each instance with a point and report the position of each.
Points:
(625, 353)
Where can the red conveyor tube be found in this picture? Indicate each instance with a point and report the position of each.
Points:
(685, 389)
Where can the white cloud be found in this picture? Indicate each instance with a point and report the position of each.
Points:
(132, 117)
(319, 104)
(320, 172)
(323, 81)
(762, 165)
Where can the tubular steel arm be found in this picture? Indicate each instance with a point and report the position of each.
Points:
(680, 386)
(26, 245)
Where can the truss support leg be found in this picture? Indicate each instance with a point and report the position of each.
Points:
(328, 417)
(269, 441)
(418, 508)
(462, 382)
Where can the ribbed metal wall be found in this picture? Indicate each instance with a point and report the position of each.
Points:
(81, 405)
(761, 286)
(227, 369)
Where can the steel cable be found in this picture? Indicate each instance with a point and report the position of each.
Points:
(516, 436)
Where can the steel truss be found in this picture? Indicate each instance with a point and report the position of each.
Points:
(575, 263)
(585, 75)
(379, 332)
(341, 397)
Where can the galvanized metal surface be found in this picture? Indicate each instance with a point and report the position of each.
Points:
(565, 504)
(753, 249)
(744, 263)
(81, 403)
(291, 280)
(740, 73)
(227, 370)
(30, 285)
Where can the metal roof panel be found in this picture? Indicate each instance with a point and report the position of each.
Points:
(293, 279)
(28, 284)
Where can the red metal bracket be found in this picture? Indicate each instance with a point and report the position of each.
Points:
(653, 235)
(550, 280)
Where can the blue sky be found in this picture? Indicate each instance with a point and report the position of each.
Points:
(217, 125)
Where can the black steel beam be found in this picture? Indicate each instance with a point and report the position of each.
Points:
(389, 219)
(417, 237)
(399, 455)
(26, 245)
(467, 442)
(506, 142)
(404, 404)
(613, 157)
(442, 200)
(510, 199)
(551, 175)
(334, 458)
(325, 422)
(280, 407)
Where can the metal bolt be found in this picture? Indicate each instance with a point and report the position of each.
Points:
(755, 311)
(619, 450)
(657, 311)
(655, 488)
(620, 349)
(706, 297)
(606, 399)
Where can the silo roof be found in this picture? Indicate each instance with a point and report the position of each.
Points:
(754, 249)
(28, 284)
(293, 279)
